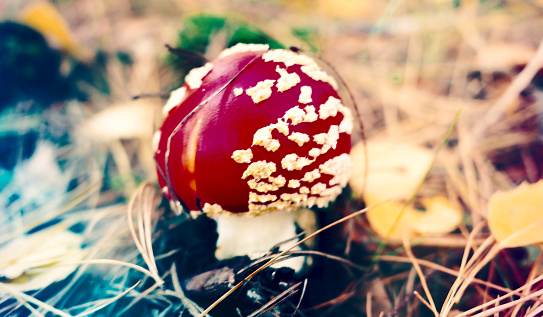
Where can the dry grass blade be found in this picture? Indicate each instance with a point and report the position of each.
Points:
(489, 256)
(425, 302)
(531, 277)
(415, 263)
(304, 288)
(276, 300)
(435, 266)
(26, 298)
(449, 300)
(143, 200)
(192, 307)
(270, 262)
(291, 254)
(476, 269)
(518, 292)
(108, 302)
(120, 263)
(502, 307)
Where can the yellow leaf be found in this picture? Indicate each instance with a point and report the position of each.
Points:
(395, 169)
(34, 261)
(394, 172)
(515, 217)
(45, 18)
(440, 217)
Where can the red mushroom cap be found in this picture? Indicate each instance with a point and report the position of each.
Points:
(255, 130)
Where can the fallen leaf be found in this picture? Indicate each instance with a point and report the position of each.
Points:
(394, 172)
(439, 217)
(44, 17)
(515, 217)
(34, 261)
(395, 169)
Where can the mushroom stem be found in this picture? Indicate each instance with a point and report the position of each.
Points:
(242, 234)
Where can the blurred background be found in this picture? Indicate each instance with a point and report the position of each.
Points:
(82, 85)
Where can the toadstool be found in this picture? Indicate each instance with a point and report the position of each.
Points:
(253, 132)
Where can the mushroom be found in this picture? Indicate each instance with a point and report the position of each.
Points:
(251, 137)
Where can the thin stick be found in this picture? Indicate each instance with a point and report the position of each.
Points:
(270, 262)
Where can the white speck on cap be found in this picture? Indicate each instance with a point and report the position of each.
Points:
(330, 192)
(286, 57)
(243, 156)
(213, 210)
(238, 91)
(310, 114)
(318, 188)
(261, 91)
(256, 198)
(260, 169)
(195, 76)
(242, 48)
(263, 137)
(331, 139)
(330, 108)
(305, 95)
(294, 162)
(299, 138)
(314, 71)
(287, 80)
(295, 114)
(295, 197)
(176, 96)
(339, 167)
(311, 176)
(156, 140)
(314, 152)
(293, 183)
(274, 184)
